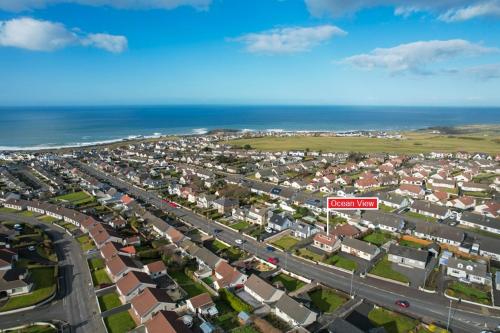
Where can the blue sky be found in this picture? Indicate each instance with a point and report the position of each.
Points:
(363, 52)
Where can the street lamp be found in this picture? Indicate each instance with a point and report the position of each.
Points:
(352, 278)
(449, 317)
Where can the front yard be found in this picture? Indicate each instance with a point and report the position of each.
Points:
(475, 293)
(285, 242)
(240, 225)
(109, 301)
(384, 269)
(392, 322)
(342, 262)
(44, 285)
(119, 323)
(326, 300)
(290, 283)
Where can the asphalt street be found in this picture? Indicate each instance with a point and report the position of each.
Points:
(464, 317)
(75, 301)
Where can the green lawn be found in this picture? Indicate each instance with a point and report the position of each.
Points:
(305, 253)
(34, 329)
(227, 318)
(378, 238)
(85, 243)
(47, 219)
(26, 213)
(385, 208)
(8, 210)
(407, 243)
(74, 197)
(420, 216)
(335, 219)
(414, 143)
(44, 286)
(342, 262)
(109, 301)
(285, 242)
(217, 246)
(191, 287)
(469, 292)
(326, 300)
(119, 323)
(384, 269)
(245, 329)
(477, 194)
(240, 225)
(290, 283)
(96, 263)
(100, 276)
(391, 321)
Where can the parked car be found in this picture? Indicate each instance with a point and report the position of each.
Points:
(238, 241)
(268, 230)
(31, 248)
(269, 249)
(273, 260)
(402, 304)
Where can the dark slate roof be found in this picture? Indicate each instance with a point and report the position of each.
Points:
(377, 218)
(360, 245)
(480, 220)
(293, 308)
(408, 252)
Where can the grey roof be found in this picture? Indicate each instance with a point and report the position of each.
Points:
(260, 287)
(470, 267)
(303, 227)
(226, 202)
(391, 197)
(480, 220)
(210, 259)
(293, 308)
(340, 325)
(408, 252)
(360, 245)
(430, 207)
(440, 230)
(10, 279)
(377, 218)
(280, 219)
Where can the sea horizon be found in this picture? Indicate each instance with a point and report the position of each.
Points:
(51, 127)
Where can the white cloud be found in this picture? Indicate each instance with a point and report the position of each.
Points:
(417, 56)
(485, 72)
(447, 10)
(288, 40)
(38, 35)
(23, 5)
(489, 8)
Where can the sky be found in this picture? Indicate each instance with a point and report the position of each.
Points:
(317, 52)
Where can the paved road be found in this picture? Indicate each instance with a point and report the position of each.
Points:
(75, 301)
(465, 318)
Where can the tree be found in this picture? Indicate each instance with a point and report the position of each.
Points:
(247, 147)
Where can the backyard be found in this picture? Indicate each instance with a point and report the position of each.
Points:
(378, 238)
(100, 277)
(384, 269)
(109, 301)
(191, 287)
(326, 300)
(285, 242)
(119, 322)
(86, 243)
(420, 217)
(392, 322)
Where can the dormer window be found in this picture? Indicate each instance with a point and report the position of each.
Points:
(460, 266)
(469, 268)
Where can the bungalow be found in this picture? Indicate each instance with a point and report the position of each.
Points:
(227, 276)
(444, 183)
(413, 191)
(359, 248)
(437, 197)
(7, 259)
(293, 312)
(131, 284)
(392, 199)
(384, 221)
(491, 209)
(474, 187)
(366, 183)
(280, 222)
(462, 203)
(120, 265)
(412, 181)
(407, 256)
(439, 233)
(166, 322)
(149, 302)
(326, 243)
(207, 261)
(429, 209)
(16, 204)
(159, 226)
(174, 235)
(303, 230)
(202, 304)
(15, 281)
(101, 234)
(482, 222)
(261, 290)
(345, 230)
(468, 270)
(155, 269)
(225, 205)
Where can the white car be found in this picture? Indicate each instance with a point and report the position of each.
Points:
(31, 248)
(238, 241)
(268, 230)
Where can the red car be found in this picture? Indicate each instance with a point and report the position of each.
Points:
(402, 304)
(273, 260)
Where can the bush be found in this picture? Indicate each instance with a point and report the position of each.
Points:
(236, 303)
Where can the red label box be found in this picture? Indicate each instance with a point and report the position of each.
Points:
(364, 203)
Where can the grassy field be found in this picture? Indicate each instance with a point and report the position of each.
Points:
(290, 283)
(384, 269)
(119, 323)
(414, 143)
(326, 300)
(44, 285)
(391, 321)
(109, 301)
(286, 242)
(408, 243)
(342, 262)
(47, 219)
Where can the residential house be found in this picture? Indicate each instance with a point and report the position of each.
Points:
(437, 197)
(257, 215)
(359, 248)
(468, 270)
(155, 269)
(303, 230)
(327, 243)
(280, 222)
(261, 290)
(429, 209)
(120, 265)
(15, 281)
(392, 199)
(407, 256)
(132, 283)
(202, 304)
(440, 233)
(293, 312)
(227, 276)
(462, 203)
(225, 205)
(149, 302)
(383, 221)
(413, 191)
(166, 322)
(482, 222)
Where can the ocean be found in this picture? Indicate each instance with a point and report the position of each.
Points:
(44, 127)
